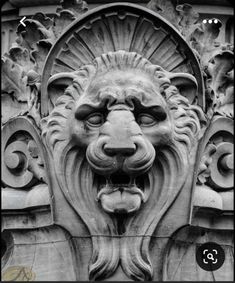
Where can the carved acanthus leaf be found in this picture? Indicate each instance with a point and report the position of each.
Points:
(62, 19)
(188, 17)
(30, 34)
(78, 7)
(217, 62)
(47, 22)
(202, 39)
(165, 9)
(183, 17)
(22, 67)
(35, 35)
(39, 54)
(14, 89)
(221, 76)
(21, 56)
(14, 80)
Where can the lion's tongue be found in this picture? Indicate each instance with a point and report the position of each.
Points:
(120, 201)
(123, 190)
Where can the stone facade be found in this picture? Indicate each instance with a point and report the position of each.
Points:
(117, 140)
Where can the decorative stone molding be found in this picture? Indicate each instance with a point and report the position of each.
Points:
(117, 142)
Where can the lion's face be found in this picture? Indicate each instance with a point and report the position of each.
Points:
(120, 140)
(120, 121)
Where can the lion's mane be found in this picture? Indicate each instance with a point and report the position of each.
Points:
(74, 174)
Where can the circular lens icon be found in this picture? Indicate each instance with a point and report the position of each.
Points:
(210, 256)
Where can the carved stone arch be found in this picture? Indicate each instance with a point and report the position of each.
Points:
(101, 30)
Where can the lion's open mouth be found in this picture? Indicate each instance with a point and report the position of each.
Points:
(121, 193)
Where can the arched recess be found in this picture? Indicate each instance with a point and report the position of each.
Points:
(120, 26)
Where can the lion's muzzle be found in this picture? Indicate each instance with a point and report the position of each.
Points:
(120, 154)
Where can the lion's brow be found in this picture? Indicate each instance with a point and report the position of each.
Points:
(84, 110)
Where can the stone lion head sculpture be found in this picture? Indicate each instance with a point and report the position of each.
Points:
(119, 139)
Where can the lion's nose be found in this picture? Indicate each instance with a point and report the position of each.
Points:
(120, 130)
(117, 147)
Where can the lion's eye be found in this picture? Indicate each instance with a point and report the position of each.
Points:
(95, 119)
(146, 120)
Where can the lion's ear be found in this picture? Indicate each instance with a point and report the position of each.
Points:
(56, 86)
(187, 85)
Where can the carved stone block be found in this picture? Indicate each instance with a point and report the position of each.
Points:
(118, 146)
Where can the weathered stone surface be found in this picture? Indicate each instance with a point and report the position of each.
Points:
(181, 262)
(117, 145)
(34, 248)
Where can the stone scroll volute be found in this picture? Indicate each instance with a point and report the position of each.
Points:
(121, 141)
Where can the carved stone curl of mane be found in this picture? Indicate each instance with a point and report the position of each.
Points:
(70, 146)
